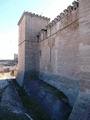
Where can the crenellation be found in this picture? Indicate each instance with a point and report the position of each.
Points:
(75, 5)
(53, 22)
(65, 11)
(56, 20)
(58, 17)
(37, 15)
(64, 19)
(32, 14)
(70, 8)
(46, 18)
(61, 14)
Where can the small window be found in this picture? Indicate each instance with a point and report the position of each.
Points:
(40, 52)
(37, 37)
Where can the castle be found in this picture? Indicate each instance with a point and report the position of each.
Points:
(58, 53)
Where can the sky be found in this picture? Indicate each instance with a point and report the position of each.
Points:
(10, 13)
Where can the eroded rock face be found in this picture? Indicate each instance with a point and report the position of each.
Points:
(86, 114)
(54, 102)
(9, 97)
(3, 84)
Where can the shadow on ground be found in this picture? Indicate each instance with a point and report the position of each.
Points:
(54, 103)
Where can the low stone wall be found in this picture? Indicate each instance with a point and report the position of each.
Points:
(69, 86)
(82, 103)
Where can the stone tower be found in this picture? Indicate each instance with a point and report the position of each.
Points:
(28, 53)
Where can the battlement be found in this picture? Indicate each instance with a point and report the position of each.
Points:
(65, 12)
(67, 17)
(32, 15)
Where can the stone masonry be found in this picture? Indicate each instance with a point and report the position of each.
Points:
(58, 52)
(29, 27)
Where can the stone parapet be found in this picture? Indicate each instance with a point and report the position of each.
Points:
(63, 20)
(70, 9)
(32, 15)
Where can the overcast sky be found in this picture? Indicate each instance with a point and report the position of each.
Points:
(10, 13)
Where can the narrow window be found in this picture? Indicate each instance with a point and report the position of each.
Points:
(37, 37)
(40, 52)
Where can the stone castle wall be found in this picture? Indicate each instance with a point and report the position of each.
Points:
(58, 53)
(83, 100)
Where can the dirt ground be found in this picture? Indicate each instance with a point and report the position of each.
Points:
(6, 75)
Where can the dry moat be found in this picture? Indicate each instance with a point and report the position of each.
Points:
(37, 101)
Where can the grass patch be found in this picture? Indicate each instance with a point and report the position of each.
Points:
(33, 107)
(55, 90)
(7, 115)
